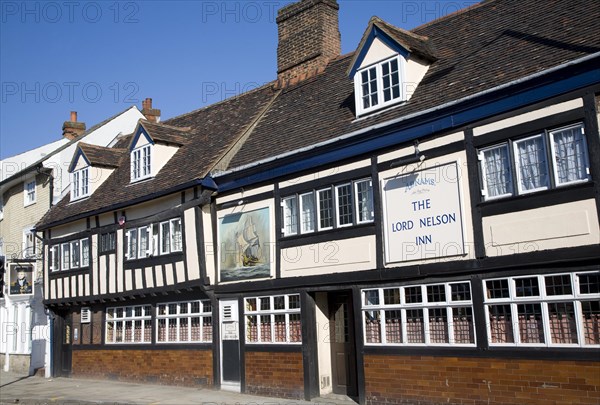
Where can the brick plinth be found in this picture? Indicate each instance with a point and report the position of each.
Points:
(275, 374)
(450, 380)
(169, 367)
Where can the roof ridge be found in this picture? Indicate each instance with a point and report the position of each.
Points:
(160, 124)
(206, 107)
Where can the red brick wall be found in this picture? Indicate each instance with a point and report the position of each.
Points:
(443, 380)
(171, 367)
(275, 374)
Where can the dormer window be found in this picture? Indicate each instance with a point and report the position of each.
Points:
(80, 184)
(379, 85)
(141, 163)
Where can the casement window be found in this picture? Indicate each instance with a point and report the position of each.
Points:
(336, 206)
(547, 160)
(184, 322)
(154, 239)
(557, 310)
(29, 192)
(70, 255)
(290, 216)
(141, 163)
(54, 258)
(108, 242)
(273, 319)
(433, 314)
(80, 183)
(380, 85)
(307, 212)
(132, 324)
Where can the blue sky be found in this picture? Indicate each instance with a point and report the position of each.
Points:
(100, 57)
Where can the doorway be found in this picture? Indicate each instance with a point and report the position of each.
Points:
(342, 338)
(230, 345)
(63, 350)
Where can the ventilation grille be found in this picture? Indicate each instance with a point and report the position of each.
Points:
(86, 315)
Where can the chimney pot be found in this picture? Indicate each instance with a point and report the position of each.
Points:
(151, 114)
(72, 129)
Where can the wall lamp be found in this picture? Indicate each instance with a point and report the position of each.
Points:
(416, 158)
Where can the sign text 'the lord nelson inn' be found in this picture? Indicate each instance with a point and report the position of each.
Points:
(423, 214)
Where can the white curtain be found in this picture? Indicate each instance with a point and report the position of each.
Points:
(532, 163)
(497, 170)
(569, 154)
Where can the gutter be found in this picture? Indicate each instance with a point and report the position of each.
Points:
(206, 182)
(407, 117)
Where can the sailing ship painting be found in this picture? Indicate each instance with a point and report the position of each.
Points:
(244, 245)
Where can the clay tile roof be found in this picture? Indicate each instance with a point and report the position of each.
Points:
(168, 134)
(212, 130)
(101, 155)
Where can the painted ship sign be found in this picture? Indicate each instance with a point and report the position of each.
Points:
(423, 214)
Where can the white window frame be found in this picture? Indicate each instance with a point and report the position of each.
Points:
(157, 244)
(337, 204)
(482, 165)
(55, 257)
(360, 109)
(586, 159)
(141, 163)
(80, 184)
(311, 222)
(547, 136)
(371, 203)
(80, 246)
(516, 143)
(65, 248)
(542, 299)
(131, 248)
(120, 321)
(270, 312)
(141, 252)
(29, 192)
(290, 218)
(448, 304)
(332, 208)
(163, 313)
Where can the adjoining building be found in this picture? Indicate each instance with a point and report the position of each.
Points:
(29, 184)
(416, 221)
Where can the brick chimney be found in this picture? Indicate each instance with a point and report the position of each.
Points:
(309, 37)
(72, 129)
(151, 114)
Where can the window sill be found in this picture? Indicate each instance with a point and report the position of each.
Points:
(69, 272)
(153, 260)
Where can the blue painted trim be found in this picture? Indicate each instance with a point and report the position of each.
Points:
(140, 131)
(376, 32)
(456, 116)
(78, 153)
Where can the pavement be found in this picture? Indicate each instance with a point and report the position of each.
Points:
(34, 390)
